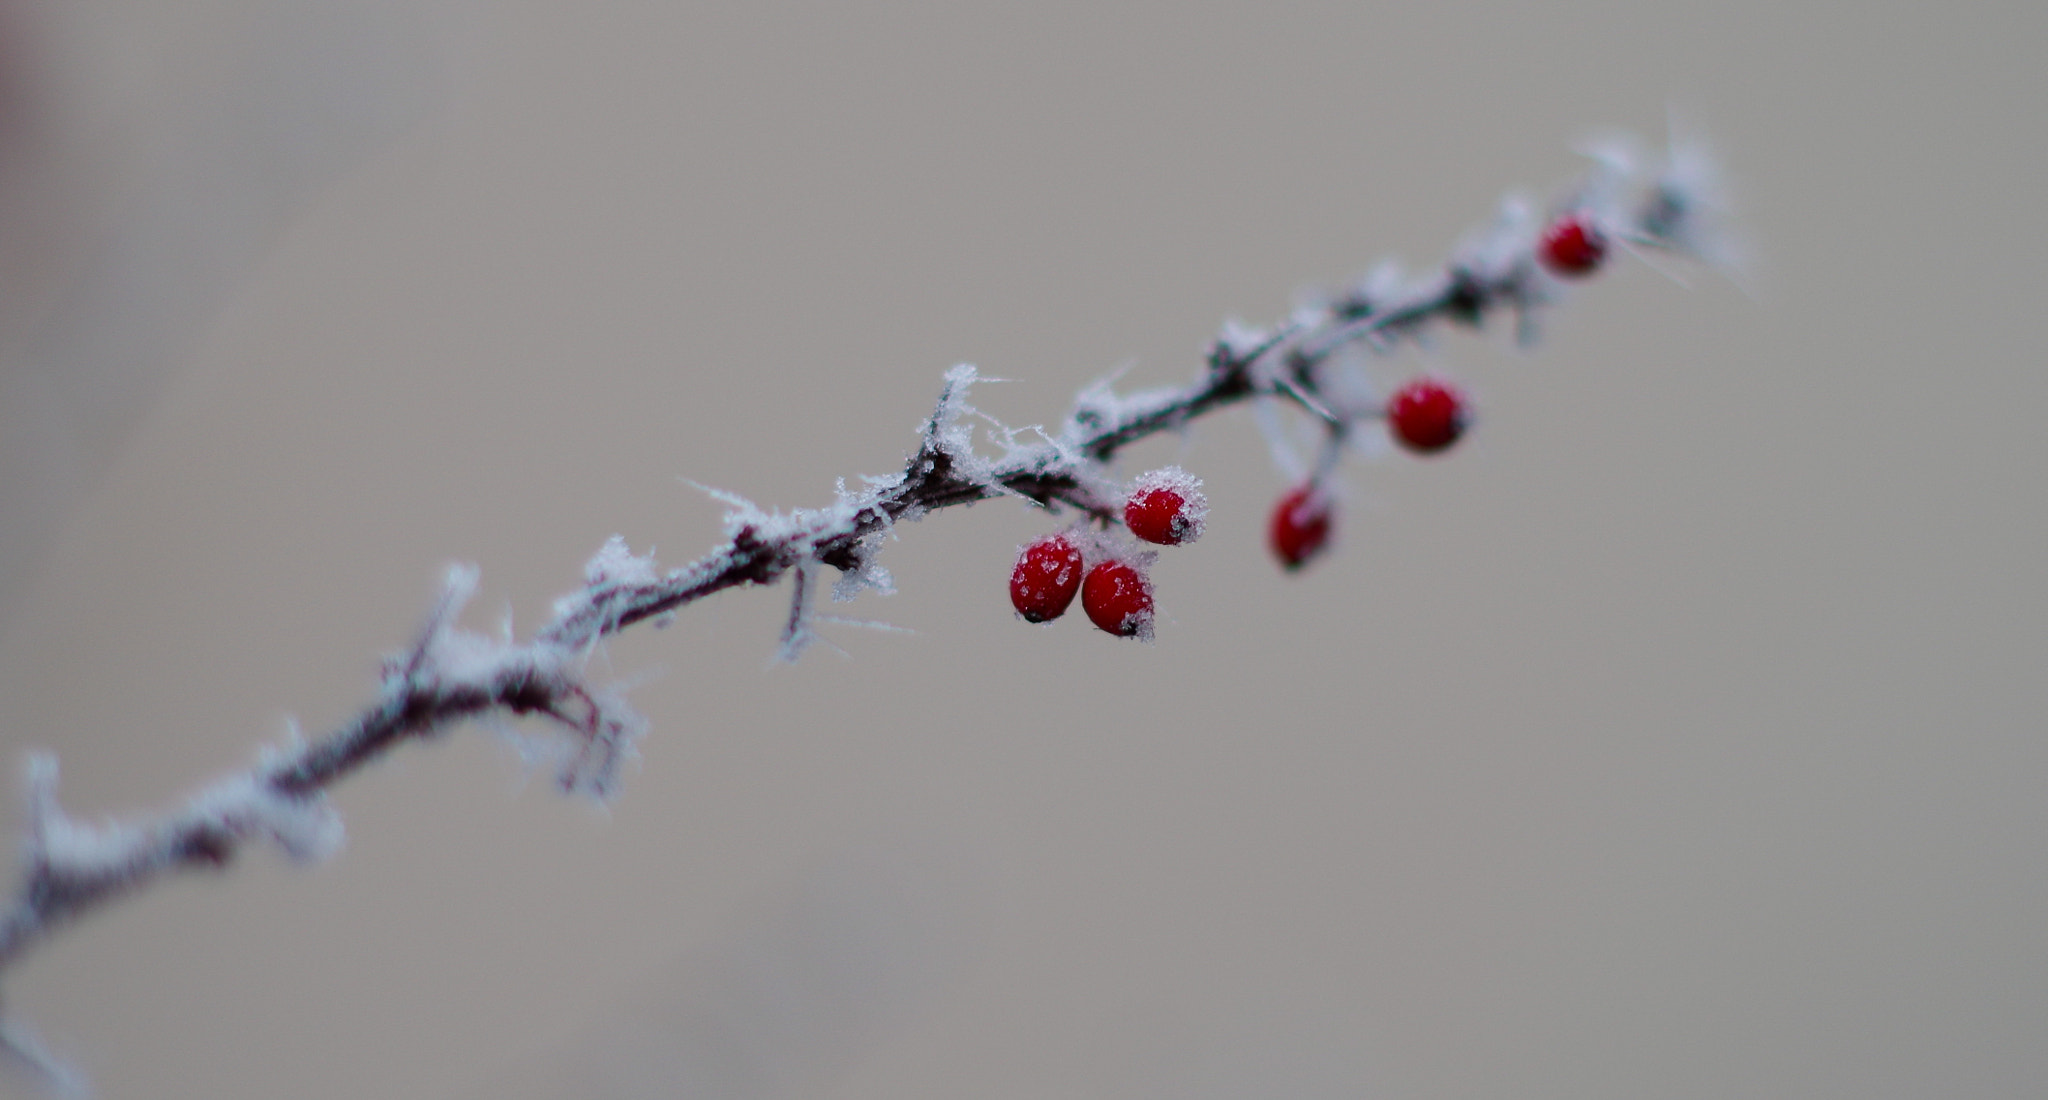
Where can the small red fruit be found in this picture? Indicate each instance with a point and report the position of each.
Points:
(1118, 599)
(1048, 574)
(1301, 525)
(1572, 246)
(1167, 507)
(1427, 415)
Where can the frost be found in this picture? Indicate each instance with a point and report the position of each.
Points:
(1605, 192)
(1689, 209)
(748, 523)
(610, 578)
(241, 806)
(443, 652)
(458, 587)
(1094, 411)
(862, 624)
(1498, 254)
(1241, 341)
(881, 486)
(305, 827)
(616, 565)
(867, 574)
(611, 741)
(1346, 384)
(1384, 291)
(1677, 200)
(1100, 410)
(948, 434)
(595, 733)
(308, 829)
(741, 515)
(1101, 546)
(1385, 282)
(1281, 448)
(944, 433)
(797, 634)
(470, 674)
(1045, 454)
(78, 849)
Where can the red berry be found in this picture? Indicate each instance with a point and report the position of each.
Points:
(1573, 245)
(1118, 599)
(1048, 574)
(1427, 415)
(1301, 525)
(1166, 507)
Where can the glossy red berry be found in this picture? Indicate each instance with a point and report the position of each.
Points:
(1301, 525)
(1572, 246)
(1048, 574)
(1118, 599)
(1167, 507)
(1427, 415)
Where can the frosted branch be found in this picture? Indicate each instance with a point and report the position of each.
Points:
(448, 675)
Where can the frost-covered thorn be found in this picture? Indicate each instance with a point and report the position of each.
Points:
(1307, 400)
(603, 733)
(797, 635)
(1239, 345)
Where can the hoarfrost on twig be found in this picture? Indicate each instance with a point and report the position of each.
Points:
(1315, 360)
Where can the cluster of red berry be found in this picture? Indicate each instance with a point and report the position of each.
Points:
(1165, 507)
(1426, 415)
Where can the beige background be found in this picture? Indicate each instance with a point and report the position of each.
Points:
(1680, 736)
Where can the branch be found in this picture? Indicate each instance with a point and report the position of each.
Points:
(449, 675)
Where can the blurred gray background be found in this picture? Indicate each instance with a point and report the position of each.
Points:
(1680, 735)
